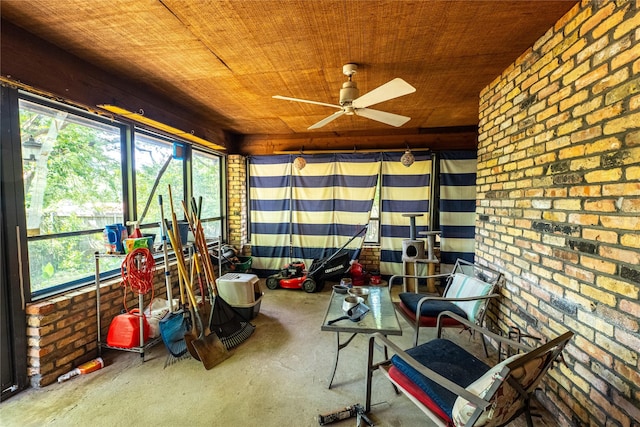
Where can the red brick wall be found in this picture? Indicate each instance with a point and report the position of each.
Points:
(62, 331)
(559, 200)
(370, 258)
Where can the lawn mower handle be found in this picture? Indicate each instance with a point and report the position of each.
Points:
(339, 250)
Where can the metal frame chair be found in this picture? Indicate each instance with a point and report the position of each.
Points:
(459, 390)
(468, 288)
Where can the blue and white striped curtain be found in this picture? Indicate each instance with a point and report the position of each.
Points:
(404, 190)
(457, 207)
(311, 212)
(270, 211)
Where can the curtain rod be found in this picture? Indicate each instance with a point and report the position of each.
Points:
(369, 150)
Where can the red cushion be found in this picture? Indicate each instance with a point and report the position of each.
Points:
(417, 392)
(429, 322)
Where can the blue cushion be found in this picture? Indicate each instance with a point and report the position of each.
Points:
(447, 359)
(430, 308)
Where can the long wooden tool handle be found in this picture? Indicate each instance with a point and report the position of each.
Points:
(197, 207)
(165, 252)
(182, 269)
(176, 244)
(201, 245)
(204, 330)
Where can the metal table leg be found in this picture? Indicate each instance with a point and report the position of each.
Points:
(338, 348)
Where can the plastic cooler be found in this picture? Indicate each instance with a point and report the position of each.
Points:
(242, 292)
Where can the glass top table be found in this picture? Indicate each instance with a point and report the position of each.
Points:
(381, 318)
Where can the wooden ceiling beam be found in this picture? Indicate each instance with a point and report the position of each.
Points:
(438, 139)
(31, 62)
(75, 81)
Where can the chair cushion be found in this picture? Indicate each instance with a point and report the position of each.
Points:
(428, 322)
(431, 308)
(447, 359)
(463, 286)
(415, 391)
(463, 409)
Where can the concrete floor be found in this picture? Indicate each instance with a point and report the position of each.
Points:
(278, 377)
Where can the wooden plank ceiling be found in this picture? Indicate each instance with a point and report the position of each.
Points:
(224, 60)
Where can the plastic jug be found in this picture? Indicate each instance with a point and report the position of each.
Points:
(114, 235)
(124, 330)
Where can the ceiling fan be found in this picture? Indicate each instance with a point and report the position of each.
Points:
(351, 103)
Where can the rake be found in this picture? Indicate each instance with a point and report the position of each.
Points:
(226, 324)
(223, 320)
(174, 325)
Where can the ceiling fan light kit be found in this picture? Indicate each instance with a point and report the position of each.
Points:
(352, 103)
(299, 163)
(407, 158)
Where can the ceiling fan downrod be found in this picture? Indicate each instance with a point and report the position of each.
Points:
(349, 90)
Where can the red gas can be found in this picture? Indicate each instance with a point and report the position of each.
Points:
(124, 330)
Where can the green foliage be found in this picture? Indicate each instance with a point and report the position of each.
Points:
(83, 189)
(151, 155)
(48, 270)
(206, 173)
(83, 183)
(80, 168)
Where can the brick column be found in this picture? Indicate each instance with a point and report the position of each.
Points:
(237, 203)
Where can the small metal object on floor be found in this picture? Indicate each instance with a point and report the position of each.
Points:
(348, 412)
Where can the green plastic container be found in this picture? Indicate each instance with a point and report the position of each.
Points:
(244, 265)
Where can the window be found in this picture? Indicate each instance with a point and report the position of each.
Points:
(373, 231)
(73, 188)
(156, 167)
(207, 181)
(78, 179)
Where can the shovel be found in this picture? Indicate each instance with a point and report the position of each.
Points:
(189, 336)
(192, 335)
(207, 346)
(223, 320)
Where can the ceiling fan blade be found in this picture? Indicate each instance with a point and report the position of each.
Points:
(327, 120)
(286, 98)
(382, 116)
(393, 89)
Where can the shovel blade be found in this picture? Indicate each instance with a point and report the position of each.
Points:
(210, 350)
(190, 338)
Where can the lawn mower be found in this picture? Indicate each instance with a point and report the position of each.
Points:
(295, 275)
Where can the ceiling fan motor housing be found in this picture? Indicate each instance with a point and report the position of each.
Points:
(348, 93)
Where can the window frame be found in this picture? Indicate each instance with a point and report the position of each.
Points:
(374, 220)
(221, 180)
(84, 281)
(128, 133)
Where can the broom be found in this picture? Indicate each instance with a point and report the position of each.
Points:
(223, 320)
